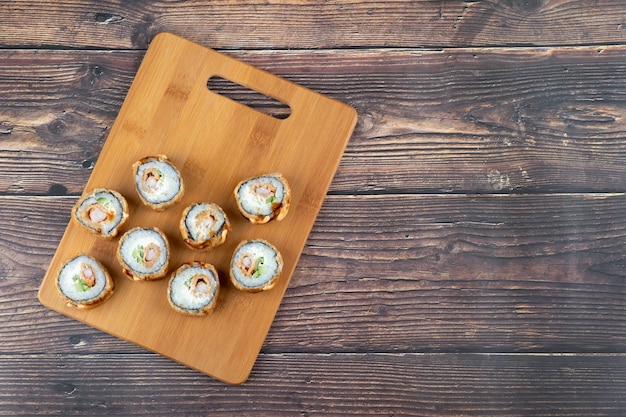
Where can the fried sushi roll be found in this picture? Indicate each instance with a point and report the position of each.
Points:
(261, 199)
(193, 289)
(204, 225)
(102, 212)
(158, 182)
(255, 266)
(84, 282)
(144, 254)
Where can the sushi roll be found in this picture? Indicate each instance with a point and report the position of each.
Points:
(255, 266)
(101, 211)
(204, 225)
(261, 199)
(193, 289)
(158, 182)
(144, 254)
(84, 282)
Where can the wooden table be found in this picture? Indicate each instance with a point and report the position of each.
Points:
(470, 256)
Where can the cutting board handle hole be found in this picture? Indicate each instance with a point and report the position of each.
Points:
(248, 97)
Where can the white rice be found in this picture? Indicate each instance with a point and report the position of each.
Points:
(132, 245)
(110, 201)
(255, 204)
(203, 231)
(181, 293)
(167, 188)
(71, 269)
(256, 249)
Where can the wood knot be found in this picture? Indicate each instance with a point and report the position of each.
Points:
(91, 75)
(107, 18)
(56, 127)
(57, 190)
(143, 33)
(97, 70)
(5, 128)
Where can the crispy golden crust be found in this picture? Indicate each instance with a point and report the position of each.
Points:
(268, 286)
(280, 210)
(114, 232)
(166, 204)
(207, 244)
(106, 293)
(213, 242)
(204, 310)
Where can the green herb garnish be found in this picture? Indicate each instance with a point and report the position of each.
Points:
(79, 283)
(104, 201)
(260, 268)
(138, 254)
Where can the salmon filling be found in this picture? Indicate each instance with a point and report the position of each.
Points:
(98, 213)
(150, 254)
(200, 285)
(205, 222)
(251, 267)
(85, 279)
(150, 180)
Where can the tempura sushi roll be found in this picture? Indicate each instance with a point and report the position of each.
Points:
(144, 254)
(255, 266)
(261, 199)
(158, 182)
(193, 289)
(84, 282)
(101, 211)
(204, 225)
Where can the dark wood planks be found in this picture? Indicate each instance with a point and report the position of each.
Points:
(464, 120)
(434, 273)
(443, 305)
(318, 385)
(55, 114)
(302, 24)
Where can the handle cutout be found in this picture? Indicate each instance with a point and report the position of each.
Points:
(248, 97)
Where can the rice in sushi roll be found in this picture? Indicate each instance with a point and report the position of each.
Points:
(261, 199)
(144, 254)
(158, 182)
(193, 289)
(84, 282)
(255, 266)
(204, 225)
(101, 211)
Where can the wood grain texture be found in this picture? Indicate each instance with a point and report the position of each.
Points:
(319, 385)
(468, 262)
(301, 24)
(519, 273)
(480, 120)
(57, 110)
(170, 111)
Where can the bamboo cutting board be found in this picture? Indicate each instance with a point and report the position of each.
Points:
(214, 142)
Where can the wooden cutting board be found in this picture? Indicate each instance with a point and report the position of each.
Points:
(215, 142)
